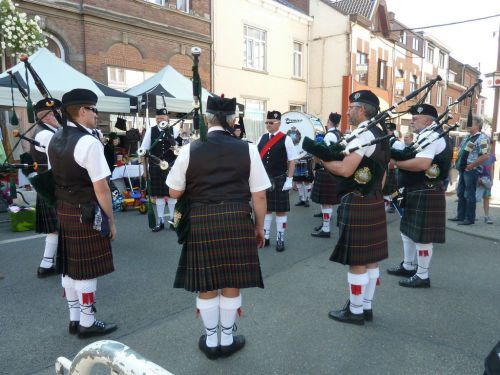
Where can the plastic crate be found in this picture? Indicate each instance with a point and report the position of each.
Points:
(23, 220)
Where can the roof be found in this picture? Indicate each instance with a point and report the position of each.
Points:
(364, 8)
(290, 5)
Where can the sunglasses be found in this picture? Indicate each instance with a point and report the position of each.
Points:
(269, 122)
(93, 109)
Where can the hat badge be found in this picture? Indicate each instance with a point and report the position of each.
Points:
(420, 109)
(357, 95)
(275, 115)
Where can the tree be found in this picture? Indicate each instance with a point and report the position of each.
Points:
(18, 33)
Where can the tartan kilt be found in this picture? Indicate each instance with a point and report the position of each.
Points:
(82, 253)
(424, 218)
(277, 199)
(46, 217)
(221, 250)
(391, 182)
(158, 180)
(324, 189)
(362, 230)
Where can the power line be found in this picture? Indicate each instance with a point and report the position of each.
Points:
(442, 24)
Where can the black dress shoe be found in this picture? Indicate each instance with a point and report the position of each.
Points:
(44, 272)
(280, 246)
(346, 316)
(266, 242)
(401, 271)
(306, 203)
(465, 222)
(415, 282)
(96, 329)
(321, 234)
(211, 353)
(318, 215)
(301, 203)
(455, 219)
(238, 343)
(73, 327)
(158, 228)
(368, 315)
(318, 228)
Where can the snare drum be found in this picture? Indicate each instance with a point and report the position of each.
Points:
(303, 169)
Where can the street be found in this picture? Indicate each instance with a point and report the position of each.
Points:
(447, 329)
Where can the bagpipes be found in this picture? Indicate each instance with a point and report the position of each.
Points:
(434, 132)
(337, 151)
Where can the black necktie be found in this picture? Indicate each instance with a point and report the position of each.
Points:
(95, 134)
(271, 137)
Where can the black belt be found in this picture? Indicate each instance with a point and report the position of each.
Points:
(195, 204)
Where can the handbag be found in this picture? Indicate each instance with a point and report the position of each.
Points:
(121, 123)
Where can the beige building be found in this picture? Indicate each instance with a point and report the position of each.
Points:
(261, 57)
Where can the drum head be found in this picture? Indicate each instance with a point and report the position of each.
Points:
(299, 125)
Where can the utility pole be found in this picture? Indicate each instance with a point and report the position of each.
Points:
(494, 125)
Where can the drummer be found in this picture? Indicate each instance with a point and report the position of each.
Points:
(303, 178)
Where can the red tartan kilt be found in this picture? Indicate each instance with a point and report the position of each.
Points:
(362, 230)
(221, 250)
(424, 218)
(82, 253)
(324, 188)
(46, 217)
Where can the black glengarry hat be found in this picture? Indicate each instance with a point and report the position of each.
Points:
(334, 118)
(365, 96)
(47, 104)
(390, 126)
(221, 104)
(79, 96)
(161, 112)
(424, 110)
(273, 115)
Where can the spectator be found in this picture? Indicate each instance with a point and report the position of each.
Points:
(485, 180)
(408, 138)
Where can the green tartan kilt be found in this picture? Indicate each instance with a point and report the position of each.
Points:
(424, 218)
(277, 199)
(324, 189)
(46, 217)
(82, 253)
(158, 178)
(362, 230)
(391, 182)
(221, 250)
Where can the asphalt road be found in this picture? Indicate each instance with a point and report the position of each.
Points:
(447, 329)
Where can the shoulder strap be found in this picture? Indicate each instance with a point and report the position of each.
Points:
(270, 143)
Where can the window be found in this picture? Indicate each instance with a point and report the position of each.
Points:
(430, 53)
(428, 98)
(416, 43)
(255, 48)
(400, 82)
(381, 74)
(55, 46)
(413, 82)
(297, 59)
(442, 59)
(157, 2)
(451, 76)
(450, 100)
(439, 96)
(122, 79)
(402, 37)
(362, 68)
(183, 5)
(297, 107)
(255, 112)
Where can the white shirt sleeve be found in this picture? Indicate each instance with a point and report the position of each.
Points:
(363, 138)
(258, 179)
(146, 141)
(291, 150)
(43, 138)
(330, 138)
(176, 178)
(89, 154)
(398, 145)
(433, 149)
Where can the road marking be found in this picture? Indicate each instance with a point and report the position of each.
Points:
(22, 239)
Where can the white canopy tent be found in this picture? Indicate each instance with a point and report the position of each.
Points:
(177, 89)
(59, 78)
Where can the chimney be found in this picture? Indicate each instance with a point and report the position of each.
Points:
(301, 4)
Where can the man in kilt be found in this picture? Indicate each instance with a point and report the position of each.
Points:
(84, 209)
(423, 221)
(324, 189)
(278, 153)
(219, 177)
(46, 216)
(160, 143)
(361, 215)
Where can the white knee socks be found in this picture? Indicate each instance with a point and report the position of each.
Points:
(209, 311)
(72, 298)
(280, 228)
(327, 215)
(424, 256)
(160, 209)
(267, 225)
(373, 275)
(228, 311)
(307, 191)
(357, 284)
(171, 207)
(409, 251)
(50, 250)
(302, 191)
(86, 296)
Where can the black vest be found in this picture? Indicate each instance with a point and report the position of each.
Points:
(73, 183)
(218, 169)
(275, 160)
(162, 148)
(335, 131)
(39, 157)
(417, 179)
(377, 163)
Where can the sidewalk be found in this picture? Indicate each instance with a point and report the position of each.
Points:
(480, 228)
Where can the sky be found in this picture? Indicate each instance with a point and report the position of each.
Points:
(471, 43)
